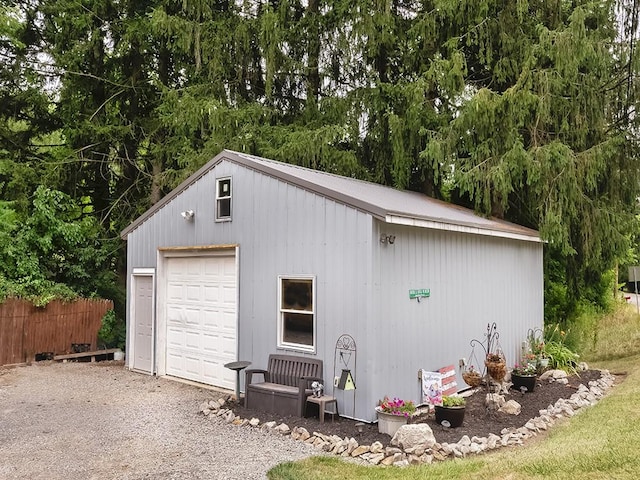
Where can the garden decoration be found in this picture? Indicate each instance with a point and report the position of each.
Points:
(496, 366)
(534, 351)
(471, 376)
(494, 361)
(345, 361)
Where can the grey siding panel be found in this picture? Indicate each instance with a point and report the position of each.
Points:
(473, 280)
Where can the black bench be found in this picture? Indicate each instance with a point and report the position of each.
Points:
(286, 384)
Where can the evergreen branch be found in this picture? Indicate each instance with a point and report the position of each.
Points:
(104, 103)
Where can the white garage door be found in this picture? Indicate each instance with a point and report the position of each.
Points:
(201, 318)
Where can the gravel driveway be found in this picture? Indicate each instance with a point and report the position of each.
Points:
(101, 421)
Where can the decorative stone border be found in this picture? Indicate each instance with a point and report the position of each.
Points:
(420, 453)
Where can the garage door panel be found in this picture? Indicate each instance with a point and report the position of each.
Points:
(228, 346)
(229, 267)
(211, 320)
(174, 292)
(193, 365)
(175, 362)
(193, 341)
(212, 293)
(193, 293)
(192, 317)
(201, 319)
(176, 337)
(229, 294)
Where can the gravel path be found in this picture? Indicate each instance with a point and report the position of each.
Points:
(101, 421)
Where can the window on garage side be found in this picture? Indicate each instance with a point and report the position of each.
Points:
(223, 199)
(296, 327)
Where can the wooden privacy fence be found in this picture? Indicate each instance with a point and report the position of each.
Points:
(27, 330)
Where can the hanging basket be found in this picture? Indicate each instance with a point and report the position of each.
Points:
(473, 379)
(497, 369)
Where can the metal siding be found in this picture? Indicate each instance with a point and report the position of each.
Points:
(473, 280)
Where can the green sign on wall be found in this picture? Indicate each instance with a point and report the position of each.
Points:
(423, 292)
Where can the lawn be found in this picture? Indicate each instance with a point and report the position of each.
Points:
(601, 442)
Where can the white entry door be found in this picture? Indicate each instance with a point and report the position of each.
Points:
(143, 323)
(201, 319)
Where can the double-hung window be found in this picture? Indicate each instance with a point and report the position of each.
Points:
(296, 324)
(223, 199)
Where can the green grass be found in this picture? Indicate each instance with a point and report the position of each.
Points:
(599, 443)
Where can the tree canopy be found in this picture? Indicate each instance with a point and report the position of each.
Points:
(524, 110)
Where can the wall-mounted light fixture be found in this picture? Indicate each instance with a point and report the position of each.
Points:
(390, 239)
(188, 214)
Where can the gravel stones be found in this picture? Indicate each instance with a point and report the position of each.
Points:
(99, 420)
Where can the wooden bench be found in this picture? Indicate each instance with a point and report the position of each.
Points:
(74, 356)
(286, 384)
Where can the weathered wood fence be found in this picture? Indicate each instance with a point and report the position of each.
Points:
(27, 330)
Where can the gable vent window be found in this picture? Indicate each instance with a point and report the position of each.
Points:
(223, 199)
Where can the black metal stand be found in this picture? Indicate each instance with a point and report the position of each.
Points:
(238, 367)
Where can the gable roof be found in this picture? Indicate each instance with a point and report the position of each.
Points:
(387, 204)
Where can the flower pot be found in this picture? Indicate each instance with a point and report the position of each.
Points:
(543, 362)
(389, 423)
(497, 370)
(453, 415)
(527, 381)
(473, 379)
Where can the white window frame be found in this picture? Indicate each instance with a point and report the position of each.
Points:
(220, 218)
(290, 345)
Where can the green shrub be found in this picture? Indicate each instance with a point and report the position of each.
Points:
(556, 350)
(113, 332)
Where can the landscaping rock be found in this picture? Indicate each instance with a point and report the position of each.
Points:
(414, 436)
(511, 408)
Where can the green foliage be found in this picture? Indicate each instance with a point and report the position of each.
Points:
(56, 252)
(615, 335)
(522, 110)
(113, 332)
(453, 401)
(556, 349)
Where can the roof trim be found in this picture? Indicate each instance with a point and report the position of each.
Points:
(172, 194)
(456, 227)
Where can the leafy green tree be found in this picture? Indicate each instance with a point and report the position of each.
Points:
(538, 137)
(26, 121)
(57, 251)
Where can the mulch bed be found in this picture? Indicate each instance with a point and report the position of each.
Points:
(477, 422)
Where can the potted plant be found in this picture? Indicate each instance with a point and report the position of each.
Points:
(543, 361)
(471, 377)
(524, 377)
(496, 366)
(451, 411)
(393, 413)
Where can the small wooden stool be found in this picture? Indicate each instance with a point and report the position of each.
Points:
(322, 403)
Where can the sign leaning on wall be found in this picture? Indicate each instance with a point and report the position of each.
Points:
(431, 388)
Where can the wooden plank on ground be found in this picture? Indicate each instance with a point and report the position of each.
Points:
(95, 353)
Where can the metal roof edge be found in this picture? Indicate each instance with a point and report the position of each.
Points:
(194, 177)
(463, 228)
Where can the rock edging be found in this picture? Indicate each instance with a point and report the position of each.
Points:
(419, 452)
